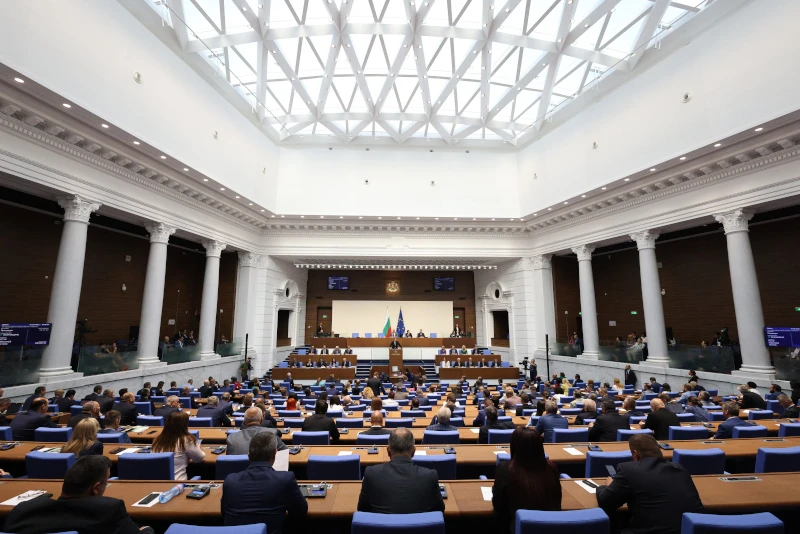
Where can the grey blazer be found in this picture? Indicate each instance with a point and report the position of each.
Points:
(239, 442)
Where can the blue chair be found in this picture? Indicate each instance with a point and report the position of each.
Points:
(144, 408)
(457, 421)
(75, 409)
(636, 419)
(570, 411)
(311, 438)
(750, 431)
(715, 416)
(784, 429)
(567, 435)
(592, 520)
(230, 464)
(200, 422)
(775, 406)
(362, 439)
(357, 407)
(153, 466)
(755, 415)
(625, 435)
(369, 523)
(48, 465)
(60, 435)
(701, 462)
(185, 402)
(688, 432)
(290, 413)
(5, 433)
(111, 437)
(444, 464)
(149, 420)
(500, 436)
(405, 422)
(505, 457)
(687, 417)
(349, 423)
(52, 408)
(178, 528)
(436, 437)
(334, 467)
(763, 523)
(775, 460)
(596, 462)
(414, 413)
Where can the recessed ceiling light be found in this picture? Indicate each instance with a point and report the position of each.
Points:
(222, 189)
(237, 196)
(653, 169)
(437, 218)
(549, 209)
(565, 203)
(535, 214)
(759, 129)
(455, 218)
(104, 125)
(163, 157)
(282, 216)
(417, 218)
(136, 143)
(583, 196)
(361, 217)
(603, 188)
(19, 80)
(683, 158)
(186, 169)
(321, 216)
(273, 216)
(341, 217)
(205, 179)
(380, 217)
(302, 216)
(718, 145)
(627, 179)
(474, 219)
(250, 204)
(262, 211)
(492, 219)
(66, 105)
(398, 218)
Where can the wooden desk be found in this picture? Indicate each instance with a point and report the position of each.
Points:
(476, 358)
(455, 373)
(406, 342)
(314, 373)
(327, 358)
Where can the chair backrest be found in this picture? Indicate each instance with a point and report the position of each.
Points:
(153, 466)
(150, 420)
(625, 435)
(775, 460)
(436, 437)
(178, 528)
(48, 465)
(760, 414)
(596, 462)
(592, 520)
(290, 413)
(293, 423)
(225, 465)
(570, 411)
(757, 431)
(716, 416)
(701, 462)
(186, 402)
(565, 435)
(311, 438)
(443, 464)
(457, 421)
(398, 422)
(363, 439)
(111, 437)
(688, 432)
(368, 335)
(763, 523)
(500, 436)
(144, 408)
(60, 435)
(350, 423)
(687, 417)
(5, 433)
(334, 467)
(75, 409)
(369, 523)
(784, 429)
(200, 421)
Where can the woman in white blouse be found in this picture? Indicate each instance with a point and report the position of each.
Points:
(176, 438)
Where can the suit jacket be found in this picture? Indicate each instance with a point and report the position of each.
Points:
(581, 418)
(259, 494)
(65, 404)
(321, 423)
(27, 404)
(400, 487)
(725, 430)
(92, 397)
(206, 391)
(24, 425)
(128, 413)
(483, 434)
(75, 419)
(125, 437)
(656, 387)
(753, 400)
(376, 431)
(165, 412)
(660, 421)
(605, 427)
(423, 400)
(87, 515)
(375, 385)
(657, 491)
(217, 415)
(106, 403)
(395, 345)
(548, 423)
(792, 412)
(239, 442)
(630, 377)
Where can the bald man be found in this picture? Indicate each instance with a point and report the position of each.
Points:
(376, 425)
(239, 442)
(660, 419)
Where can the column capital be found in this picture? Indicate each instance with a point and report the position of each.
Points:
(542, 261)
(645, 239)
(159, 232)
(77, 208)
(735, 221)
(584, 252)
(248, 259)
(213, 248)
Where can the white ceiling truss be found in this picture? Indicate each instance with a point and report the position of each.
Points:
(486, 72)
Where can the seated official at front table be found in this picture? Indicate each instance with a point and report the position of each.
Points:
(395, 344)
(420, 333)
(312, 350)
(324, 350)
(442, 350)
(453, 349)
(408, 334)
(337, 350)
(310, 363)
(348, 350)
(463, 349)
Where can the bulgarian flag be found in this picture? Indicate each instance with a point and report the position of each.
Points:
(387, 326)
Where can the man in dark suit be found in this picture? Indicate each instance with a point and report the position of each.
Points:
(111, 426)
(657, 491)
(225, 404)
(630, 376)
(492, 424)
(629, 404)
(399, 486)
(81, 506)
(589, 412)
(605, 426)
(348, 350)
(790, 409)
(213, 411)
(655, 387)
(730, 411)
(90, 409)
(660, 419)
(395, 344)
(239, 442)
(106, 402)
(206, 390)
(127, 410)
(375, 384)
(66, 402)
(749, 400)
(38, 392)
(25, 423)
(324, 350)
(259, 494)
(376, 425)
(171, 405)
(550, 421)
(95, 394)
(319, 422)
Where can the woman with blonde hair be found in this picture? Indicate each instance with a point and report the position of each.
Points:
(565, 385)
(367, 393)
(84, 439)
(618, 385)
(175, 437)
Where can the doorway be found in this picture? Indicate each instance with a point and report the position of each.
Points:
(283, 339)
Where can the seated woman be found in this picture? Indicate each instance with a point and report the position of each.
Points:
(463, 349)
(565, 385)
(84, 439)
(291, 403)
(528, 482)
(367, 393)
(335, 406)
(175, 437)
(617, 385)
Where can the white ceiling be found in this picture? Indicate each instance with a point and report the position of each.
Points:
(393, 70)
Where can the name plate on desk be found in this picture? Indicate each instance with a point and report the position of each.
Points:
(740, 479)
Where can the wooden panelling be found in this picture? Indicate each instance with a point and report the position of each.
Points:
(371, 285)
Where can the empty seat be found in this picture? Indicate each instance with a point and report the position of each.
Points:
(290, 413)
(715, 416)
(363, 439)
(153, 466)
(435, 437)
(592, 520)
(5, 433)
(457, 421)
(757, 431)
(111, 437)
(185, 402)
(687, 417)
(201, 422)
(596, 462)
(150, 420)
(369, 523)
(48, 465)
(60, 435)
(443, 464)
(688, 432)
(625, 435)
(293, 423)
(784, 430)
(311, 438)
(763, 523)
(754, 415)
(566, 435)
(225, 465)
(398, 422)
(702, 461)
(776, 460)
(570, 411)
(349, 423)
(334, 467)
(179, 528)
(144, 408)
(500, 436)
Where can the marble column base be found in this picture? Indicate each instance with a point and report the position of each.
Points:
(587, 355)
(767, 372)
(151, 363)
(55, 374)
(661, 361)
(209, 356)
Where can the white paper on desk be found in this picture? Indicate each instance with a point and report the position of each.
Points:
(129, 450)
(585, 486)
(421, 453)
(52, 449)
(573, 451)
(151, 503)
(487, 493)
(28, 495)
(475, 430)
(139, 429)
(281, 462)
(501, 452)
(345, 453)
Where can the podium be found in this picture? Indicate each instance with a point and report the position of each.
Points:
(396, 360)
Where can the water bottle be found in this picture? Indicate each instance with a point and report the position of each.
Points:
(166, 496)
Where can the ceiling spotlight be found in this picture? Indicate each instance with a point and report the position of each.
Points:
(66, 105)
(604, 188)
(717, 145)
(104, 125)
(302, 216)
(19, 80)
(653, 169)
(583, 196)
(627, 179)
(262, 211)
(474, 219)
(535, 214)
(163, 157)
(361, 217)
(398, 218)
(565, 203)
(222, 189)
(186, 169)
(321, 216)
(549, 209)
(437, 218)
(380, 217)
(341, 217)
(250, 204)
(237, 196)
(759, 129)
(205, 179)
(282, 216)
(136, 143)
(683, 158)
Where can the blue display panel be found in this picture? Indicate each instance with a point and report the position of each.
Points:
(338, 282)
(777, 336)
(444, 284)
(19, 334)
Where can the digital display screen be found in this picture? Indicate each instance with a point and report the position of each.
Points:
(444, 284)
(21, 334)
(782, 336)
(338, 282)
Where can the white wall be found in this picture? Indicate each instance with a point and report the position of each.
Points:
(364, 316)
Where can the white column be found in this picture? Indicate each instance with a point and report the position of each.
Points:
(545, 312)
(153, 299)
(66, 293)
(591, 339)
(746, 296)
(651, 297)
(208, 308)
(245, 309)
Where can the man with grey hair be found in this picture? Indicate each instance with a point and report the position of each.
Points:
(259, 494)
(90, 410)
(171, 405)
(730, 411)
(400, 486)
(376, 425)
(442, 421)
(106, 402)
(551, 420)
(213, 411)
(749, 400)
(225, 403)
(589, 412)
(790, 410)
(239, 442)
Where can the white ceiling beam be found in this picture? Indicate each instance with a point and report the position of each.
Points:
(486, 56)
(327, 78)
(595, 56)
(250, 16)
(503, 134)
(469, 130)
(583, 26)
(414, 128)
(335, 130)
(523, 41)
(442, 131)
(451, 84)
(523, 82)
(360, 126)
(262, 68)
(417, 18)
(647, 31)
(394, 70)
(391, 131)
(451, 32)
(178, 25)
(374, 28)
(288, 70)
(502, 15)
(222, 41)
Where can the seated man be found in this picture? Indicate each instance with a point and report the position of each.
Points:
(25, 423)
(213, 411)
(420, 333)
(259, 494)
(399, 486)
(480, 420)
(443, 421)
(320, 422)
(730, 411)
(89, 409)
(324, 350)
(629, 405)
(442, 350)
(791, 410)
(550, 421)
(492, 424)
(657, 491)
(526, 404)
(111, 426)
(66, 402)
(748, 400)
(171, 405)
(660, 419)
(605, 426)
(337, 350)
(376, 425)
(589, 412)
(693, 407)
(81, 506)
(239, 442)
(126, 409)
(348, 350)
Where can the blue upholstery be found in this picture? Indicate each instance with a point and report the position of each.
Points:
(178, 528)
(290, 413)
(111, 437)
(293, 423)
(567, 435)
(369, 523)
(625, 435)
(406, 422)
(230, 464)
(75, 409)
(687, 417)
(444, 464)
(775, 460)
(715, 416)
(570, 411)
(785, 429)
(500, 436)
(349, 423)
(48, 464)
(688, 432)
(414, 413)
(144, 408)
(592, 520)
(457, 421)
(311, 438)
(763, 523)
(701, 462)
(596, 462)
(52, 408)
(149, 420)
(750, 432)
(362, 439)
(504, 457)
(6, 435)
(775, 406)
(435, 437)
(153, 466)
(334, 467)
(754, 415)
(60, 435)
(200, 422)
